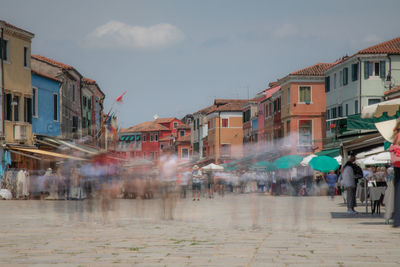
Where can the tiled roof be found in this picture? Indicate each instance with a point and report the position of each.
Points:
(46, 76)
(52, 62)
(271, 91)
(226, 101)
(148, 126)
(164, 120)
(205, 110)
(388, 47)
(273, 84)
(314, 70)
(236, 106)
(88, 81)
(393, 90)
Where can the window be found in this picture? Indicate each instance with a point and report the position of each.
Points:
(356, 107)
(28, 109)
(8, 107)
(175, 125)
(288, 96)
(26, 57)
(345, 76)
(84, 101)
(225, 123)
(305, 132)
(328, 113)
(279, 105)
(209, 125)
(377, 69)
(334, 81)
(226, 150)
(15, 103)
(354, 72)
(341, 78)
(340, 111)
(287, 128)
(55, 107)
(182, 133)
(34, 102)
(73, 92)
(144, 138)
(327, 83)
(198, 123)
(151, 138)
(373, 101)
(194, 125)
(156, 137)
(89, 103)
(75, 122)
(347, 109)
(4, 50)
(185, 153)
(305, 94)
(333, 112)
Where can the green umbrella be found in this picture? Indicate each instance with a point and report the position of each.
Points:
(324, 164)
(264, 165)
(288, 161)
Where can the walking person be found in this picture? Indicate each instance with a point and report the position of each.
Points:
(395, 157)
(196, 182)
(349, 182)
(331, 179)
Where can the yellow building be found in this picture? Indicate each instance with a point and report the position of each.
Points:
(15, 54)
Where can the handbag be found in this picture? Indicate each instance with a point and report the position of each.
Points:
(395, 155)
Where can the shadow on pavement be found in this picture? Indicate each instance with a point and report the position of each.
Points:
(344, 215)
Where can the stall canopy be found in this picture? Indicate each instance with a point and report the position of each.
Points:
(356, 122)
(386, 108)
(46, 153)
(334, 152)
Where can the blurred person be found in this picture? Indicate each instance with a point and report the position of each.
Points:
(331, 180)
(210, 184)
(220, 184)
(168, 175)
(395, 157)
(184, 180)
(51, 184)
(388, 199)
(349, 182)
(196, 182)
(61, 183)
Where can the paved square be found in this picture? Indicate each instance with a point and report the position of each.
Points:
(238, 230)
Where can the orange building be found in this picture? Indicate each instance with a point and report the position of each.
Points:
(225, 130)
(303, 108)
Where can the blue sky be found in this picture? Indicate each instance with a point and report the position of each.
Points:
(175, 57)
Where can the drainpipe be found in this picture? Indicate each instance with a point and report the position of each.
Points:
(390, 71)
(359, 62)
(2, 85)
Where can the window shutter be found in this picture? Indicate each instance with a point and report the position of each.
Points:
(366, 69)
(327, 84)
(382, 71)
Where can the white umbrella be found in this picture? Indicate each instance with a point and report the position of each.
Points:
(385, 128)
(213, 167)
(339, 159)
(307, 159)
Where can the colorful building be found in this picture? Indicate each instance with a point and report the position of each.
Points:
(303, 103)
(16, 83)
(45, 104)
(358, 81)
(70, 91)
(225, 130)
(199, 133)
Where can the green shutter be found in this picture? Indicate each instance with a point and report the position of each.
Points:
(382, 69)
(327, 81)
(366, 69)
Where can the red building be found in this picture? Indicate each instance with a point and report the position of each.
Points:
(149, 139)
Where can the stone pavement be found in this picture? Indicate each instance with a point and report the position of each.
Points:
(238, 230)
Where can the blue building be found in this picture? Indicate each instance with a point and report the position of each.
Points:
(45, 104)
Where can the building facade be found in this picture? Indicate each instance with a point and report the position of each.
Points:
(45, 104)
(16, 83)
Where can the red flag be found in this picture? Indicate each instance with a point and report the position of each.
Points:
(119, 99)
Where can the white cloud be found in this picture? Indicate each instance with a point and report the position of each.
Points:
(117, 34)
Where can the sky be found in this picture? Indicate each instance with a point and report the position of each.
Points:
(175, 57)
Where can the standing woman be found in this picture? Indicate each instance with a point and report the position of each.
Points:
(395, 156)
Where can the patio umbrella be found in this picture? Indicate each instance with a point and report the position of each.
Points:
(385, 128)
(307, 159)
(288, 161)
(212, 167)
(264, 165)
(324, 164)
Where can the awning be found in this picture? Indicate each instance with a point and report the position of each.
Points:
(390, 107)
(74, 146)
(357, 122)
(334, 152)
(44, 152)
